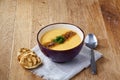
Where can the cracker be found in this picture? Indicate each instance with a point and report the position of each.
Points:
(28, 59)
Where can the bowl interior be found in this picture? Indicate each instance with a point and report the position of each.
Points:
(61, 25)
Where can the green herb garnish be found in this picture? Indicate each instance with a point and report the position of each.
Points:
(59, 39)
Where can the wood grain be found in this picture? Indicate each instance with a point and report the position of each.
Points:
(7, 19)
(22, 38)
(111, 14)
(20, 20)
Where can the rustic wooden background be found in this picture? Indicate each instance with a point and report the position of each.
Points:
(20, 21)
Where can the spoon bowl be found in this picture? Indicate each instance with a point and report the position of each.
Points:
(91, 41)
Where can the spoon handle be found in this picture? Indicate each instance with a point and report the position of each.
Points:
(93, 63)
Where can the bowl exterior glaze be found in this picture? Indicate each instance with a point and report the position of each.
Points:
(63, 55)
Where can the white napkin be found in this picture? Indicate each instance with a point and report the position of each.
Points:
(63, 71)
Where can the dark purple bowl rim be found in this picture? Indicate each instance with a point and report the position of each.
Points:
(54, 24)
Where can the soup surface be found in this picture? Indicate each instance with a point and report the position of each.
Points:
(69, 43)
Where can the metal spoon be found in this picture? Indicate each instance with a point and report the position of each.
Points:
(91, 42)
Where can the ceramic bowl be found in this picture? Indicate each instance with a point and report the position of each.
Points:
(61, 55)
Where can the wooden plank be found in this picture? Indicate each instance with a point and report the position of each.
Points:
(111, 14)
(7, 16)
(22, 38)
(110, 11)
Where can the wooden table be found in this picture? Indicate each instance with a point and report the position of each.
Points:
(20, 21)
